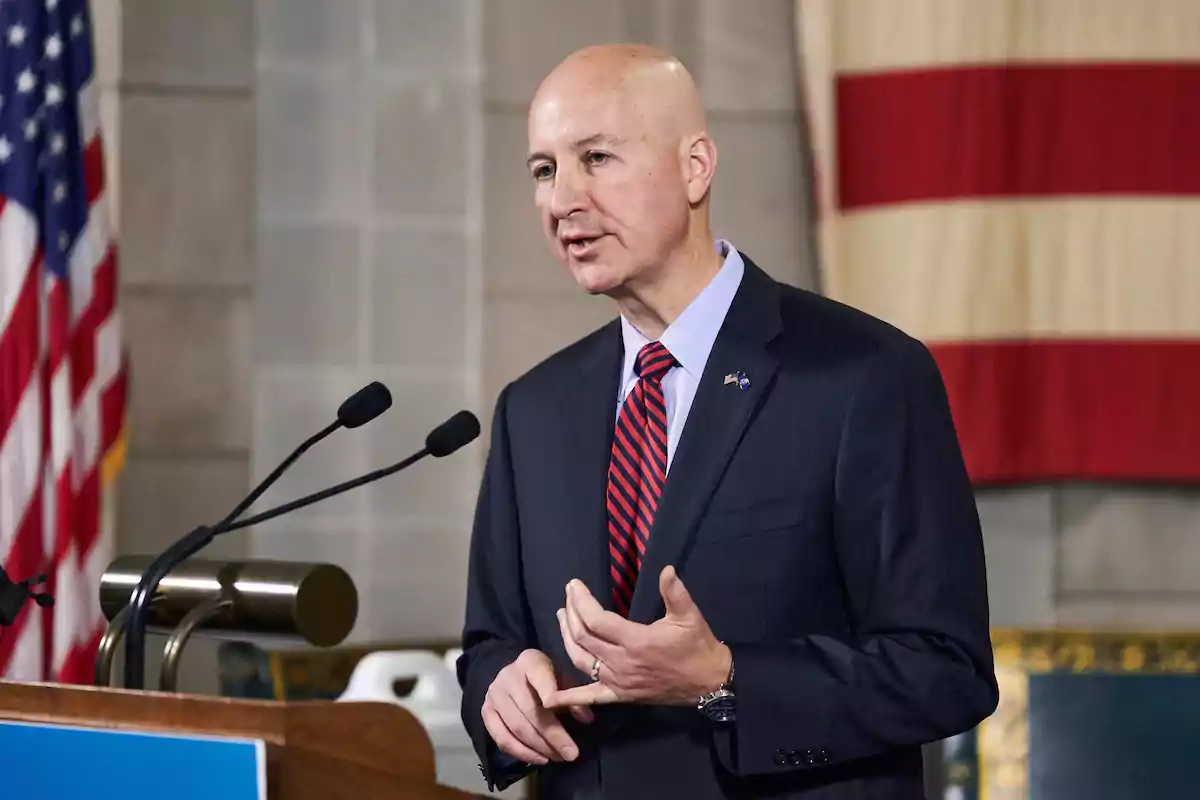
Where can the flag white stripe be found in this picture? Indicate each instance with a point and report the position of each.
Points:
(68, 608)
(878, 35)
(60, 418)
(1078, 267)
(89, 252)
(89, 112)
(108, 351)
(26, 661)
(87, 426)
(18, 243)
(20, 464)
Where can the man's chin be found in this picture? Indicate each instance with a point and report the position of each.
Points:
(596, 278)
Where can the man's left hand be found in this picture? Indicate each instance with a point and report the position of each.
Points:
(673, 661)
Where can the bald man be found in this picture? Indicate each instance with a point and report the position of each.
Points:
(725, 545)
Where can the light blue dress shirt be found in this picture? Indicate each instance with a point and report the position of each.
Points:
(690, 339)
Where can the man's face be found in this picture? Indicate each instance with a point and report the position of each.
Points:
(608, 186)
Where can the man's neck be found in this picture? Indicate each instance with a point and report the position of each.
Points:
(652, 307)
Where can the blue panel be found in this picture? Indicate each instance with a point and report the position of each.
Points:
(51, 761)
(1113, 737)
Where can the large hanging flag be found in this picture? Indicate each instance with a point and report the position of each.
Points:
(62, 376)
(1017, 184)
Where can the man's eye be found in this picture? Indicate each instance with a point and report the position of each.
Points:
(543, 171)
(595, 158)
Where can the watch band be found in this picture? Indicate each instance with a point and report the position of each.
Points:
(719, 705)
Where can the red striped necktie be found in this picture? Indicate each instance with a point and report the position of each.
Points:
(637, 471)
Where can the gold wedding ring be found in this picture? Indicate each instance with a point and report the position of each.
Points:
(596, 670)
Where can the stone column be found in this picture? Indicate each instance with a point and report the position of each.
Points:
(369, 212)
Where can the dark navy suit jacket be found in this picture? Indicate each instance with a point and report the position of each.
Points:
(821, 518)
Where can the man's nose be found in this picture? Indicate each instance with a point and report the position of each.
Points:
(569, 195)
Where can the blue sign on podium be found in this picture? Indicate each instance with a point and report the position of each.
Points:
(79, 763)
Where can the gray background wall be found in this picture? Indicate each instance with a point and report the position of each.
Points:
(313, 194)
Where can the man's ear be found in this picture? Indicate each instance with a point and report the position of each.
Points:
(701, 155)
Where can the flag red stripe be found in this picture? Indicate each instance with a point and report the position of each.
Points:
(18, 351)
(93, 169)
(112, 409)
(1103, 410)
(1018, 130)
(104, 287)
(80, 665)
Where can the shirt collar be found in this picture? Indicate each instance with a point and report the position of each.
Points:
(690, 337)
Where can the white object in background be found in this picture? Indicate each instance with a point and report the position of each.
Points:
(452, 656)
(435, 701)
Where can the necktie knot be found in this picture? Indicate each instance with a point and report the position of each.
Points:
(653, 361)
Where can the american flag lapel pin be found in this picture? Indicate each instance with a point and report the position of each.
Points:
(739, 377)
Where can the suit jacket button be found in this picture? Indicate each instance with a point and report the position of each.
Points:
(794, 758)
(781, 758)
(824, 756)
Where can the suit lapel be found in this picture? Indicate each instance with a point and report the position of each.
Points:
(591, 408)
(715, 424)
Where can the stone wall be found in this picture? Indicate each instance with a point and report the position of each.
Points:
(369, 218)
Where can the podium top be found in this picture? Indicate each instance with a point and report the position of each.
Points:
(314, 749)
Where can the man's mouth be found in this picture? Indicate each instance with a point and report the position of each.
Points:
(581, 245)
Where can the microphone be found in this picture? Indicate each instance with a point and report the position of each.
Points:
(459, 430)
(13, 596)
(360, 408)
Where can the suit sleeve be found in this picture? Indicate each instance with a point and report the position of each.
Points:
(918, 667)
(497, 627)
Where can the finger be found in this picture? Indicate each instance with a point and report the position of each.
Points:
(591, 694)
(506, 740)
(541, 684)
(551, 731)
(605, 625)
(596, 646)
(523, 725)
(583, 714)
(592, 645)
(546, 686)
(676, 598)
(581, 658)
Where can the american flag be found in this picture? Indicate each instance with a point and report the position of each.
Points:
(62, 370)
(1017, 184)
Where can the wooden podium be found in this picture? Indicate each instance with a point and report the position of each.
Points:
(314, 750)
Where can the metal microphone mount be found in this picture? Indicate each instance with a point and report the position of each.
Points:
(14, 594)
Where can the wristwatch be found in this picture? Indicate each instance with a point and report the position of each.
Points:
(721, 705)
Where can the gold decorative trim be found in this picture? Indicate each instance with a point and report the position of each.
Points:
(1037, 652)
(1002, 741)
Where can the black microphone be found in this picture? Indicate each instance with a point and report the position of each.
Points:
(443, 440)
(360, 408)
(459, 430)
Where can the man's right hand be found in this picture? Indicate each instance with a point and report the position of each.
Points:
(516, 717)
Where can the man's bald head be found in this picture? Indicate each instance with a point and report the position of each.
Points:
(648, 83)
(622, 164)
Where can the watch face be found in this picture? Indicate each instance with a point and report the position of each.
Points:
(721, 708)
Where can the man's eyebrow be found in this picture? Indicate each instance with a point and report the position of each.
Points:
(578, 144)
